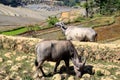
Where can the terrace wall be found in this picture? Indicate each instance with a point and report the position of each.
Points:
(92, 50)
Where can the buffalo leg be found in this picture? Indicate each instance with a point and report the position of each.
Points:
(40, 67)
(67, 65)
(55, 69)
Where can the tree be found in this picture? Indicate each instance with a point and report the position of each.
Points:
(108, 6)
(6, 2)
(86, 7)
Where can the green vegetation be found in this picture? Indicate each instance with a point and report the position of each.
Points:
(96, 21)
(16, 65)
(88, 22)
(16, 31)
(100, 21)
(20, 66)
(21, 30)
(52, 20)
(27, 78)
(81, 19)
(99, 73)
(107, 7)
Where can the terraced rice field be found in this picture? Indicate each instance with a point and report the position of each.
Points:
(105, 33)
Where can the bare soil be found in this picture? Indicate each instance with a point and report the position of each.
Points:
(109, 32)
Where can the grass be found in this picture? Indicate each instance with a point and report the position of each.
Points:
(96, 22)
(15, 32)
(21, 30)
(27, 65)
(99, 73)
(109, 32)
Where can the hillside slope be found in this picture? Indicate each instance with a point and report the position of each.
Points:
(18, 16)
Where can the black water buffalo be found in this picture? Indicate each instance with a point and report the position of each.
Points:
(56, 51)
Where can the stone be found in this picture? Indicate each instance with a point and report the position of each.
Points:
(1, 77)
(65, 76)
(14, 53)
(8, 54)
(52, 63)
(18, 78)
(1, 59)
(86, 76)
(57, 77)
(2, 71)
(31, 43)
(19, 47)
(18, 58)
(15, 67)
(7, 78)
(98, 57)
(106, 78)
(106, 72)
(24, 72)
(6, 46)
(13, 74)
(34, 68)
(117, 73)
(82, 79)
(71, 78)
(113, 77)
(9, 62)
(43, 78)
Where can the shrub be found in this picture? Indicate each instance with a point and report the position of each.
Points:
(80, 19)
(52, 20)
(33, 27)
(99, 73)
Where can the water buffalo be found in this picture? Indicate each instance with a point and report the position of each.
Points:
(54, 50)
(77, 33)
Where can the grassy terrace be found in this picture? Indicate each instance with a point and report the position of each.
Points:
(20, 66)
(21, 30)
(96, 22)
(15, 31)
